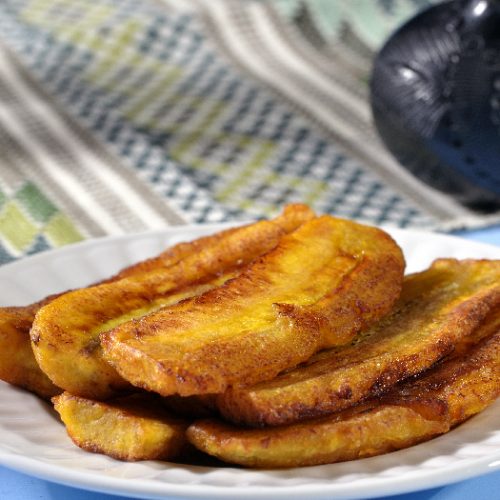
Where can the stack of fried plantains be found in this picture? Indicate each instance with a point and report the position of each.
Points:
(289, 342)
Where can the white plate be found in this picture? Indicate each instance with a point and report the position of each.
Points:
(33, 441)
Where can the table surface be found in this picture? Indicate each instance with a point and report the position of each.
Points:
(17, 486)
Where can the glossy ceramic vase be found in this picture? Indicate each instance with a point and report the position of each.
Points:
(435, 94)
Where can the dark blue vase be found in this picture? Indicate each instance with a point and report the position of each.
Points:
(435, 95)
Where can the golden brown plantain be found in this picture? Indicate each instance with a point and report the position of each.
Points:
(132, 428)
(412, 412)
(318, 287)
(437, 308)
(469, 379)
(65, 332)
(362, 431)
(251, 241)
(17, 363)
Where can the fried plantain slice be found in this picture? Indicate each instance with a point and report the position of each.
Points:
(366, 430)
(248, 241)
(413, 412)
(131, 428)
(436, 309)
(469, 379)
(17, 363)
(65, 332)
(319, 286)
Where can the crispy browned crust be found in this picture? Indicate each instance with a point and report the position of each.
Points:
(253, 242)
(438, 307)
(132, 428)
(414, 411)
(65, 332)
(469, 379)
(317, 287)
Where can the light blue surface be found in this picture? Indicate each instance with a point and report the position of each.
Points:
(490, 235)
(16, 486)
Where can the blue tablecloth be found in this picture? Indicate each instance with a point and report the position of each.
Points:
(16, 486)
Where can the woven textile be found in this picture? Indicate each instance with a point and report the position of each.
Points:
(125, 116)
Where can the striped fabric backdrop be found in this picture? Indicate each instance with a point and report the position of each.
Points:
(124, 116)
